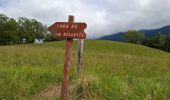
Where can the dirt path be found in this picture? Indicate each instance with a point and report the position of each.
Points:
(50, 93)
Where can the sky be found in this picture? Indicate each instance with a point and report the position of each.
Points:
(103, 17)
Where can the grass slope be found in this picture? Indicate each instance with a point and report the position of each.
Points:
(111, 70)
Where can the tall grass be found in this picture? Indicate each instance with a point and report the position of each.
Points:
(111, 70)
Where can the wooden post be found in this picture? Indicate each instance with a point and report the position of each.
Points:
(67, 64)
(80, 55)
(69, 30)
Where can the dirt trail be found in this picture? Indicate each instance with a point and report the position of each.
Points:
(50, 93)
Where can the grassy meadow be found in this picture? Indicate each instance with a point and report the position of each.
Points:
(111, 71)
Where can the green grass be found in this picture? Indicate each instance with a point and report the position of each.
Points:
(111, 70)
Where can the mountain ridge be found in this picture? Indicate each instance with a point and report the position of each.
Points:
(148, 32)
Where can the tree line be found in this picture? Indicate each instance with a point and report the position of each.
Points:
(24, 30)
(158, 41)
(14, 31)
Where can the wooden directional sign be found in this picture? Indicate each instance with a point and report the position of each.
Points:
(68, 30)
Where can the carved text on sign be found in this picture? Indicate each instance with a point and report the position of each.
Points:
(70, 35)
(64, 26)
(68, 30)
(67, 27)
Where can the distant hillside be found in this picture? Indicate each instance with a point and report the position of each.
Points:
(119, 36)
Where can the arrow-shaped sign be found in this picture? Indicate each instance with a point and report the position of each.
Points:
(60, 27)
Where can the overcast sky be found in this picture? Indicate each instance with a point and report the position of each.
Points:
(103, 17)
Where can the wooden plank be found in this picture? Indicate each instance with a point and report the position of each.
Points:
(80, 55)
(67, 64)
(68, 30)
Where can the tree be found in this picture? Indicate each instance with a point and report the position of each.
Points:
(31, 29)
(48, 37)
(39, 29)
(158, 41)
(13, 32)
(8, 30)
(167, 44)
(25, 30)
(134, 36)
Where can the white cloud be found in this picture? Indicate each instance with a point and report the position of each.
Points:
(102, 16)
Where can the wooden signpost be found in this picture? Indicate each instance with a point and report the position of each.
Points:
(79, 55)
(68, 30)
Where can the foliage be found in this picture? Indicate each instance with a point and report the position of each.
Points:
(49, 37)
(134, 36)
(158, 41)
(14, 31)
(167, 44)
(8, 30)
